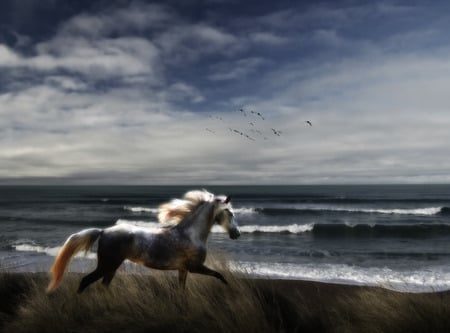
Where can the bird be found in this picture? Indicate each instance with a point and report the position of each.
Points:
(258, 114)
(210, 130)
(249, 137)
(242, 110)
(275, 132)
(308, 122)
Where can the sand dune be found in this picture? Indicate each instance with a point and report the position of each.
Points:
(142, 303)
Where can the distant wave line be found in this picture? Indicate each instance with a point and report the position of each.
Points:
(326, 229)
(427, 211)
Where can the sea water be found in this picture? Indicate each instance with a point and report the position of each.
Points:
(396, 236)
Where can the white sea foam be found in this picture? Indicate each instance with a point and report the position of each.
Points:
(142, 209)
(427, 279)
(153, 210)
(144, 224)
(424, 211)
(399, 211)
(51, 251)
(291, 228)
(244, 210)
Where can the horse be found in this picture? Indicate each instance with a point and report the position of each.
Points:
(180, 245)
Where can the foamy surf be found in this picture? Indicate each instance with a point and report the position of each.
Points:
(300, 209)
(292, 228)
(425, 280)
(50, 251)
(141, 209)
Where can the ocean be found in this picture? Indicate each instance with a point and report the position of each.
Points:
(395, 236)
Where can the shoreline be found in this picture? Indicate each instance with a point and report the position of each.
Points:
(40, 262)
(154, 301)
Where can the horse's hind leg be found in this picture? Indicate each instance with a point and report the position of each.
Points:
(106, 268)
(90, 278)
(110, 271)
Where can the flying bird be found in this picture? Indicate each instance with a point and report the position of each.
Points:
(258, 114)
(308, 122)
(210, 130)
(249, 137)
(242, 110)
(275, 132)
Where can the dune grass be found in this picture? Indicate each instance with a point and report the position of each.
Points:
(155, 303)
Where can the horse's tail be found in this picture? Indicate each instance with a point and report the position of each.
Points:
(82, 240)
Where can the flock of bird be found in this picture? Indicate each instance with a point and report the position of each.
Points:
(253, 131)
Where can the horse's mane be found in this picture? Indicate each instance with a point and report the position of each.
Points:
(175, 210)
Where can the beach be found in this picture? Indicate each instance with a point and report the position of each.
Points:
(309, 259)
(143, 303)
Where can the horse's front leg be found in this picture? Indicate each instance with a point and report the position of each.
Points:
(202, 269)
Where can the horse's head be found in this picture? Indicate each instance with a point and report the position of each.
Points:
(225, 217)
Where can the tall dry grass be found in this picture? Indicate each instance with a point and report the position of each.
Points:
(155, 303)
(139, 303)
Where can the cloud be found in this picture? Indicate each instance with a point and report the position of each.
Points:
(100, 59)
(185, 43)
(268, 38)
(136, 18)
(238, 69)
(182, 91)
(123, 96)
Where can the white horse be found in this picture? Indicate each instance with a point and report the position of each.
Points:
(181, 246)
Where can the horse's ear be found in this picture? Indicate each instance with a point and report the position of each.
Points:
(228, 199)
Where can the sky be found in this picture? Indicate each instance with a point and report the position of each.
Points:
(150, 92)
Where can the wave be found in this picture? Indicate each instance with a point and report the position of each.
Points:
(51, 251)
(418, 230)
(317, 210)
(141, 209)
(157, 226)
(153, 210)
(278, 229)
(273, 211)
(429, 279)
(326, 230)
(291, 228)
(445, 211)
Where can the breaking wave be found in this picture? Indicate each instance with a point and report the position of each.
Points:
(51, 251)
(141, 209)
(423, 280)
(326, 230)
